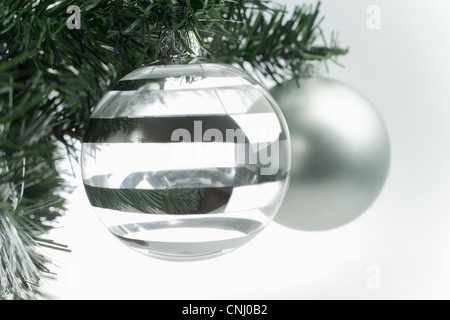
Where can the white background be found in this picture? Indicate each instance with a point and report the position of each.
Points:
(404, 69)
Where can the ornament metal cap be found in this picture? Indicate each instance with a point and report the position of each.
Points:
(175, 44)
(311, 69)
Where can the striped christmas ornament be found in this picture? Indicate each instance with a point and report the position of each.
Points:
(186, 159)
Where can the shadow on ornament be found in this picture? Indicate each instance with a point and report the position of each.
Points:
(341, 154)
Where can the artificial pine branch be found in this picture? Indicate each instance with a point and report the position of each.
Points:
(51, 77)
(269, 41)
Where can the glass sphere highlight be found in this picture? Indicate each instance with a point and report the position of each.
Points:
(186, 161)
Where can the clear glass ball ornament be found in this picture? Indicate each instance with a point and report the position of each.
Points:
(186, 159)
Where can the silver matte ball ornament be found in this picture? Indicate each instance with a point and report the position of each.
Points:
(341, 153)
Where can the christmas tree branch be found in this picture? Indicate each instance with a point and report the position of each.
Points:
(271, 42)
